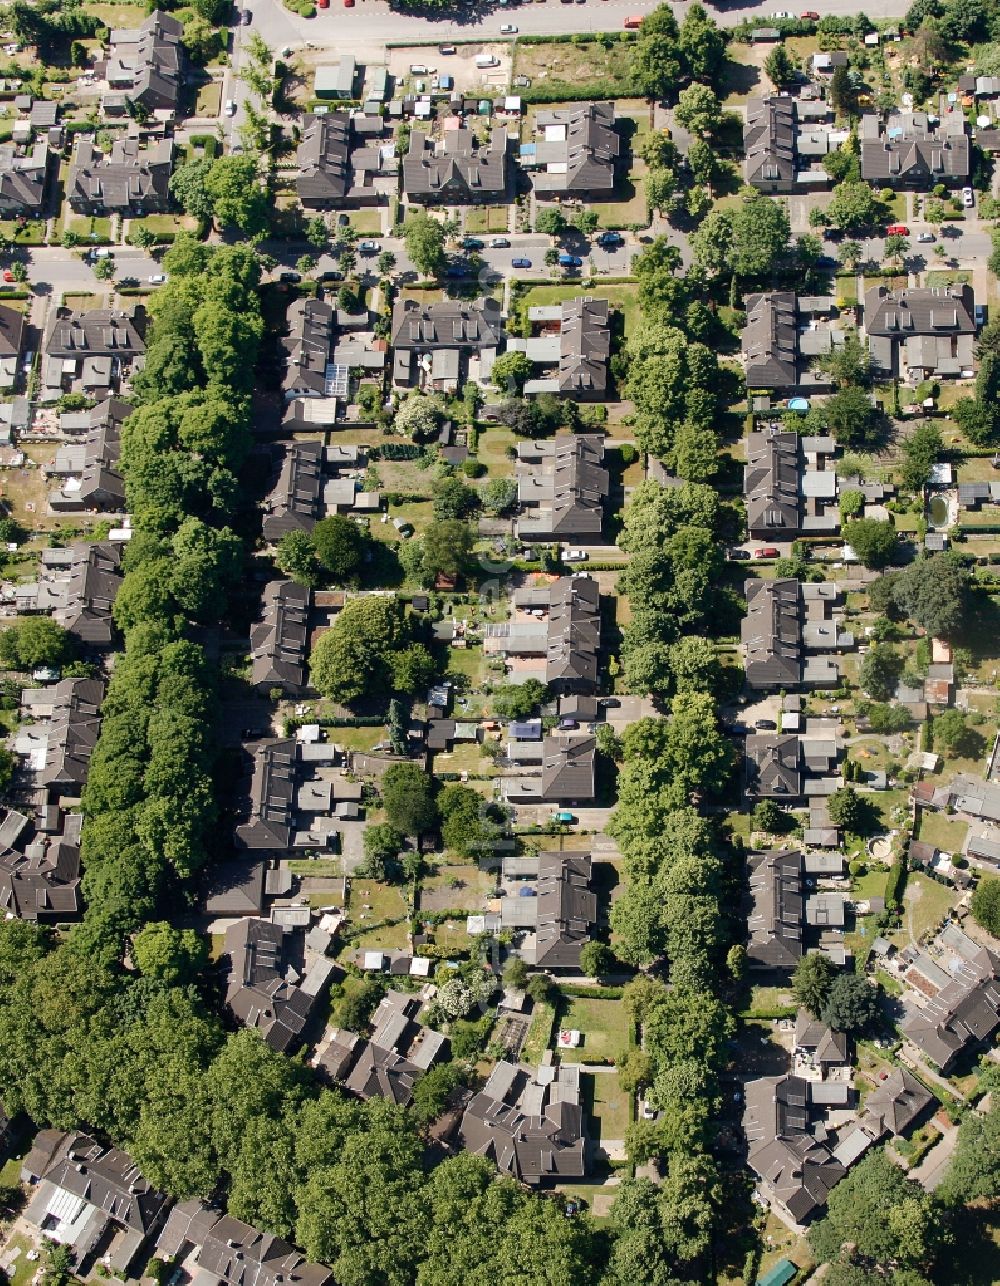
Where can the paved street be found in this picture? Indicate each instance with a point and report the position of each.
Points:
(64, 270)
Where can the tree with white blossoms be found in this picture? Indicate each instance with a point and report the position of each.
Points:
(455, 998)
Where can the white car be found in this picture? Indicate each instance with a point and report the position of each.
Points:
(575, 556)
(508, 29)
(230, 106)
(158, 278)
(782, 15)
(925, 237)
(968, 197)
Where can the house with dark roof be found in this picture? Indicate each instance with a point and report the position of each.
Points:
(790, 485)
(555, 909)
(770, 341)
(11, 342)
(218, 1250)
(529, 1124)
(789, 631)
(271, 812)
(91, 480)
(40, 881)
(895, 1105)
(71, 735)
(23, 178)
(561, 488)
(789, 766)
(278, 642)
(335, 167)
(129, 179)
(573, 151)
(776, 909)
(962, 1015)
(296, 502)
(145, 66)
(446, 342)
(818, 1046)
(80, 594)
(458, 170)
(306, 349)
(91, 352)
(565, 774)
(235, 888)
(769, 153)
(270, 988)
(91, 1199)
(921, 332)
(388, 1064)
(915, 150)
(554, 635)
(795, 1168)
(571, 341)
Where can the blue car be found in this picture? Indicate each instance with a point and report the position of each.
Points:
(472, 243)
(456, 270)
(570, 261)
(610, 239)
(520, 263)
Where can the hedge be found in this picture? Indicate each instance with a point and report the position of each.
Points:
(593, 993)
(606, 38)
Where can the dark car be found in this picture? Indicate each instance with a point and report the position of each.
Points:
(610, 703)
(766, 725)
(739, 555)
(331, 274)
(520, 263)
(128, 281)
(456, 270)
(610, 239)
(292, 278)
(247, 17)
(472, 243)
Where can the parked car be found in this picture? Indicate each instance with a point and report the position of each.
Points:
(610, 239)
(291, 278)
(968, 197)
(8, 275)
(472, 243)
(570, 261)
(508, 29)
(158, 278)
(766, 725)
(500, 243)
(369, 247)
(782, 15)
(739, 555)
(448, 49)
(897, 230)
(575, 556)
(767, 552)
(520, 263)
(925, 237)
(247, 17)
(609, 703)
(980, 315)
(331, 274)
(456, 270)
(230, 106)
(128, 281)
(567, 724)
(809, 15)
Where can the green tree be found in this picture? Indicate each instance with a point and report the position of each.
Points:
(812, 980)
(412, 668)
(852, 1004)
(351, 658)
(846, 809)
(424, 238)
(744, 240)
(35, 641)
(447, 544)
(879, 671)
(768, 816)
(188, 187)
(418, 417)
(340, 547)
(953, 734)
(550, 220)
(873, 540)
(701, 44)
(694, 664)
(596, 959)
(519, 700)
(499, 496)
(780, 68)
(510, 371)
(698, 109)
(934, 593)
(854, 206)
(975, 1168)
(408, 799)
(468, 823)
(920, 452)
(171, 956)
(986, 905)
(453, 499)
(238, 200)
(383, 844)
(296, 557)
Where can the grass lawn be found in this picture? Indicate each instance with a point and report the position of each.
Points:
(926, 904)
(159, 223)
(456, 886)
(625, 298)
(466, 757)
(941, 831)
(940, 277)
(356, 738)
(31, 233)
(577, 71)
(495, 441)
(209, 101)
(469, 664)
(537, 1040)
(765, 1001)
(630, 203)
(376, 902)
(23, 1269)
(366, 222)
(91, 229)
(322, 868)
(604, 1025)
(487, 218)
(606, 1104)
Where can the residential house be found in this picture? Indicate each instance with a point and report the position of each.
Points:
(769, 151)
(963, 1014)
(296, 502)
(271, 989)
(566, 774)
(529, 1124)
(895, 1105)
(11, 341)
(91, 1199)
(555, 909)
(390, 1063)
(554, 635)
(91, 352)
(307, 349)
(269, 824)
(921, 332)
(776, 909)
(788, 632)
(446, 341)
(335, 167)
(40, 882)
(145, 66)
(795, 1168)
(914, 150)
(23, 178)
(770, 342)
(789, 766)
(218, 1250)
(279, 640)
(561, 488)
(128, 180)
(818, 1048)
(457, 170)
(81, 593)
(973, 495)
(574, 341)
(790, 485)
(91, 480)
(572, 152)
(71, 734)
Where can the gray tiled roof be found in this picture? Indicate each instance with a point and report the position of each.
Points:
(774, 922)
(584, 346)
(22, 178)
(307, 347)
(101, 332)
(456, 170)
(562, 486)
(296, 503)
(770, 341)
(799, 1170)
(965, 1012)
(771, 633)
(567, 909)
(910, 149)
(575, 149)
(450, 323)
(228, 1252)
(259, 992)
(129, 178)
(769, 143)
(147, 62)
(278, 642)
(272, 798)
(771, 483)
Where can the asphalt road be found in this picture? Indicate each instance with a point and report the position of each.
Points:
(64, 270)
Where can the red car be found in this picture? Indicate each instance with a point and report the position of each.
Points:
(767, 552)
(8, 275)
(809, 15)
(897, 230)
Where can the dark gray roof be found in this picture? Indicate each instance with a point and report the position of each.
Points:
(573, 638)
(772, 766)
(296, 503)
(531, 1129)
(449, 323)
(11, 331)
(73, 729)
(965, 1012)
(43, 883)
(332, 168)
(771, 483)
(86, 595)
(799, 1170)
(826, 1047)
(771, 633)
(307, 347)
(561, 487)
(130, 178)
(457, 170)
(923, 310)
(101, 332)
(568, 768)
(260, 993)
(146, 63)
(228, 1251)
(575, 149)
(911, 149)
(769, 143)
(584, 346)
(278, 642)
(567, 910)
(770, 341)
(235, 888)
(774, 922)
(22, 178)
(272, 798)
(894, 1104)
